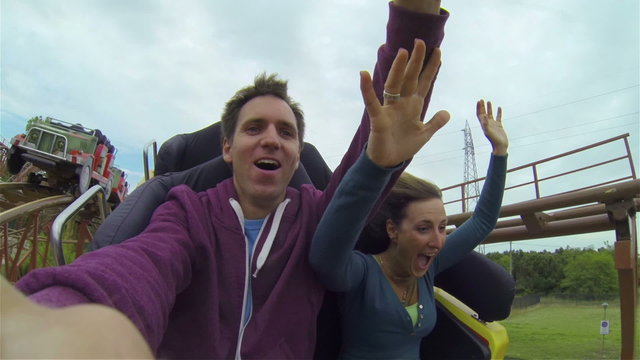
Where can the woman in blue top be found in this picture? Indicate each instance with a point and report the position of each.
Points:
(387, 300)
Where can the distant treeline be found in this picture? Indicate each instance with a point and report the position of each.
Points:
(579, 272)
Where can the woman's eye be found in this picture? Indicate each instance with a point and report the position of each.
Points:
(423, 229)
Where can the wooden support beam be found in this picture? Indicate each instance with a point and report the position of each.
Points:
(535, 222)
(622, 215)
(584, 225)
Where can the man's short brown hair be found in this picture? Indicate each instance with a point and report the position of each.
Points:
(263, 85)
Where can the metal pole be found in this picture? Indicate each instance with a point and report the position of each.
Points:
(604, 305)
(510, 258)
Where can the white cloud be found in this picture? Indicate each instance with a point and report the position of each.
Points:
(566, 72)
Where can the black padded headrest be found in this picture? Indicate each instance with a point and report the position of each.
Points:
(192, 159)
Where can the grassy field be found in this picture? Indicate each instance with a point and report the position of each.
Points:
(563, 330)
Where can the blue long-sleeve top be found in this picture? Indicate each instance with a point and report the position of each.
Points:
(375, 324)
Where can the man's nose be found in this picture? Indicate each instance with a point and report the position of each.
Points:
(270, 137)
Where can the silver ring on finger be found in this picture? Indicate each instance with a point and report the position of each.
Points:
(389, 96)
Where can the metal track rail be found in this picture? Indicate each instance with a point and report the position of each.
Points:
(96, 193)
(25, 211)
(33, 206)
(611, 207)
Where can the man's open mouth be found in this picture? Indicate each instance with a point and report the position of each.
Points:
(267, 164)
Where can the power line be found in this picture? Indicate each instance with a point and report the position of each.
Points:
(544, 132)
(552, 107)
(574, 135)
(511, 146)
(573, 102)
(586, 123)
(442, 134)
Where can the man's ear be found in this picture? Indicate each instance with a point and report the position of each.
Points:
(392, 232)
(226, 150)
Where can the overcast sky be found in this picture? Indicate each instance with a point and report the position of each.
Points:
(565, 71)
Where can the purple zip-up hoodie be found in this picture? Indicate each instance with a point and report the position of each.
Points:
(184, 280)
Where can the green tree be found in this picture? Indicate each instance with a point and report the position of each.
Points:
(502, 259)
(537, 272)
(566, 255)
(591, 274)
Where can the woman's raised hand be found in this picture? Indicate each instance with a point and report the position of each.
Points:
(397, 131)
(493, 129)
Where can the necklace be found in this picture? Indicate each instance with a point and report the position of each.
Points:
(406, 293)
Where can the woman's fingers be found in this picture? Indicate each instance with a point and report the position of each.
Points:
(413, 69)
(393, 85)
(486, 113)
(371, 103)
(408, 75)
(480, 110)
(429, 73)
(440, 119)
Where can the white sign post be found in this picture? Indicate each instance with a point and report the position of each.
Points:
(604, 327)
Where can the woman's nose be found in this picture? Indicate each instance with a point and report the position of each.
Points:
(437, 240)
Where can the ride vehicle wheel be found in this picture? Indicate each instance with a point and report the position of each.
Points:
(84, 177)
(107, 189)
(35, 178)
(15, 162)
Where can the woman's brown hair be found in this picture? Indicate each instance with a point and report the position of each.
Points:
(408, 188)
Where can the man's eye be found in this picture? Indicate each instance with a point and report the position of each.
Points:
(252, 130)
(286, 133)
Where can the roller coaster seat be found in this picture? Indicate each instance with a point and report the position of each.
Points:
(474, 338)
(194, 159)
(184, 151)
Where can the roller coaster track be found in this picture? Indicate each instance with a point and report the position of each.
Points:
(26, 214)
(610, 204)
(4, 155)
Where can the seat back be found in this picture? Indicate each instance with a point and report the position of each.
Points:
(185, 151)
(193, 159)
(459, 334)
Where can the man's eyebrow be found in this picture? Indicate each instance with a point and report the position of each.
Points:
(279, 123)
(253, 121)
(288, 124)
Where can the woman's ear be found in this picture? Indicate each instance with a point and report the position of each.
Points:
(392, 232)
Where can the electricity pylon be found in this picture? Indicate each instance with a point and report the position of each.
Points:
(471, 190)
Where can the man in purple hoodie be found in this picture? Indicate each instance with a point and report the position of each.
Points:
(225, 273)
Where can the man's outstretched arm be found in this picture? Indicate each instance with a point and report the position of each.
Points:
(90, 331)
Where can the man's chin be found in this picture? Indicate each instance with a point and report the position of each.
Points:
(267, 194)
(269, 189)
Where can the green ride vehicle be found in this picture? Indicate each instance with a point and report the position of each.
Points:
(74, 157)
